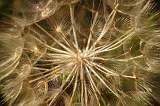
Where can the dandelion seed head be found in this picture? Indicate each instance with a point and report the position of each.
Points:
(86, 53)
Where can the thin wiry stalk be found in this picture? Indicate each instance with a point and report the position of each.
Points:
(73, 25)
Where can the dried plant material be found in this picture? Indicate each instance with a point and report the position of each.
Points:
(81, 53)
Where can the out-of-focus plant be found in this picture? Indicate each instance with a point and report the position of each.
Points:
(80, 53)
